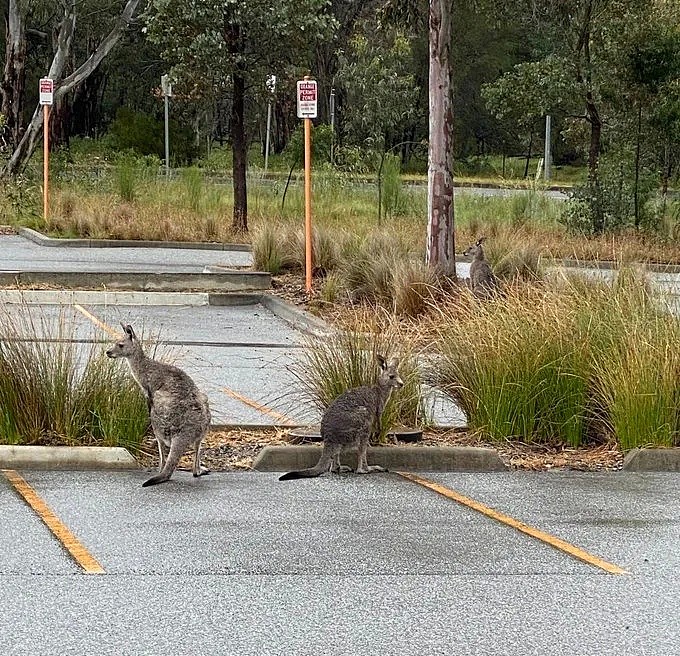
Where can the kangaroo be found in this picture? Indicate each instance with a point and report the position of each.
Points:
(483, 282)
(351, 419)
(178, 410)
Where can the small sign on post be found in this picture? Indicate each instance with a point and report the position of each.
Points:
(306, 99)
(306, 109)
(46, 91)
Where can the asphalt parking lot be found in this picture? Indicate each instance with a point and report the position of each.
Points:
(244, 564)
(559, 563)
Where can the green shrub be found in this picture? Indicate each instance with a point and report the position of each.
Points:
(145, 135)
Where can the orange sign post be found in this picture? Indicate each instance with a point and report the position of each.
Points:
(307, 110)
(46, 99)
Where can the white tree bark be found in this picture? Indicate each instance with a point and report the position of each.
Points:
(14, 74)
(27, 145)
(440, 252)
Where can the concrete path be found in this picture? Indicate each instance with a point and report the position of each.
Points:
(19, 254)
(244, 564)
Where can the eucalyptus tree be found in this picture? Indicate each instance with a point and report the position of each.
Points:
(233, 45)
(63, 17)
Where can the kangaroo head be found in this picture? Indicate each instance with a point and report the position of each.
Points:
(389, 376)
(476, 249)
(126, 347)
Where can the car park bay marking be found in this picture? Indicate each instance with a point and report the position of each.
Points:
(546, 538)
(69, 541)
(285, 419)
(100, 324)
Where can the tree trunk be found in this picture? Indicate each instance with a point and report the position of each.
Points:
(14, 76)
(26, 146)
(238, 138)
(440, 251)
(636, 183)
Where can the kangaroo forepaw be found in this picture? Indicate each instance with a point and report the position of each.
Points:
(204, 471)
(344, 469)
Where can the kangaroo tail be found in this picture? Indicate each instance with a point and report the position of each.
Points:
(175, 454)
(325, 461)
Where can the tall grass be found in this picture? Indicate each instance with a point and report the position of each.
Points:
(192, 177)
(54, 391)
(565, 363)
(349, 359)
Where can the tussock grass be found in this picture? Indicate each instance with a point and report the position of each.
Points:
(569, 361)
(53, 390)
(349, 359)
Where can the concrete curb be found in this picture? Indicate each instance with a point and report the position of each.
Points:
(44, 240)
(416, 458)
(65, 457)
(299, 319)
(652, 460)
(145, 281)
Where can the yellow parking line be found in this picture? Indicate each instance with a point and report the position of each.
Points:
(259, 407)
(69, 541)
(100, 324)
(547, 538)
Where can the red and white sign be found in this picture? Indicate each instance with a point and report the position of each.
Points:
(46, 91)
(306, 99)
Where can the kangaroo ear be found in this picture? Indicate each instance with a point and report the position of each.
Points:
(481, 240)
(394, 362)
(382, 362)
(127, 329)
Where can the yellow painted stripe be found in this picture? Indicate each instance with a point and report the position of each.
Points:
(259, 407)
(547, 538)
(78, 552)
(100, 324)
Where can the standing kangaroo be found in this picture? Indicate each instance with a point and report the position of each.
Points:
(178, 410)
(351, 419)
(483, 282)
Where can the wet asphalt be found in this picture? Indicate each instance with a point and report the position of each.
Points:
(240, 563)
(244, 564)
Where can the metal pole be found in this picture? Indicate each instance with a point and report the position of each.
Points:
(308, 205)
(266, 141)
(46, 157)
(167, 137)
(332, 108)
(546, 152)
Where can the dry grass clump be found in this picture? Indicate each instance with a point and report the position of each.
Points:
(348, 359)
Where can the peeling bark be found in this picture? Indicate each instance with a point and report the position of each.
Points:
(14, 74)
(33, 133)
(440, 251)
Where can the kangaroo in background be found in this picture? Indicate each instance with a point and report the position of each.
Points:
(483, 282)
(351, 419)
(178, 410)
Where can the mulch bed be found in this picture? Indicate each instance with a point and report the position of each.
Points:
(236, 449)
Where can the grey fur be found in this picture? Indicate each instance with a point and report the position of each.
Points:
(178, 410)
(483, 282)
(350, 420)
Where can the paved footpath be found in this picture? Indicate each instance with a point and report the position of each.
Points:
(244, 564)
